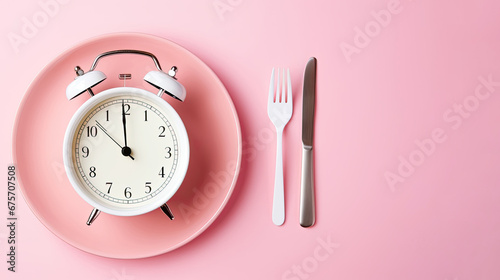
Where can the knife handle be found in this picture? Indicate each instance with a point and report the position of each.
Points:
(307, 212)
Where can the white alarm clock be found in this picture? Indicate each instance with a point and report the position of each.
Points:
(126, 150)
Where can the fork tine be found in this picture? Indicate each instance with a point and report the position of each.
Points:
(289, 97)
(270, 98)
(283, 89)
(278, 90)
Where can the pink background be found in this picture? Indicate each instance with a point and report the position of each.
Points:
(408, 96)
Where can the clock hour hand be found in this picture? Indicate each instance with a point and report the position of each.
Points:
(106, 132)
(126, 151)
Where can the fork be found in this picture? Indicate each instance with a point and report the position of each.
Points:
(279, 109)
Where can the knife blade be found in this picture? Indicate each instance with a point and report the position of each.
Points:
(307, 203)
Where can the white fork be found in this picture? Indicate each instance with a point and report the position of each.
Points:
(279, 109)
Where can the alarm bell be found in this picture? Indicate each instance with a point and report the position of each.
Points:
(84, 82)
(166, 83)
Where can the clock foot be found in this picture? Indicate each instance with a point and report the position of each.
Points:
(167, 211)
(93, 216)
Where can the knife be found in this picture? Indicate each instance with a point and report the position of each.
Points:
(307, 212)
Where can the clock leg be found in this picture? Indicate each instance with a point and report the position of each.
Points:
(93, 216)
(167, 211)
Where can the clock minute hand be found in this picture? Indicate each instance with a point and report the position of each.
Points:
(106, 132)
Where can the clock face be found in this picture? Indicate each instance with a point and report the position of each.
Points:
(128, 152)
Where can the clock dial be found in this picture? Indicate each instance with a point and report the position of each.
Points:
(125, 151)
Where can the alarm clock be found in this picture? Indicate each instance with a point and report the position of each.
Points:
(126, 150)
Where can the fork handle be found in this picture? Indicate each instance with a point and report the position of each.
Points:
(307, 212)
(279, 190)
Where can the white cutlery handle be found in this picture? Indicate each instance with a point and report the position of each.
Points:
(279, 192)
(307, 212)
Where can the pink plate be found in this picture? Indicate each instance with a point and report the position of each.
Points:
(211, 122)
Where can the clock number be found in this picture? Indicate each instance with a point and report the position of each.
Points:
(109, 184)
(127, 108)
(148, 187)
(169, 152)
(162, 172)
(85, 151)
(92, 172)
(107, 115)
(162, 131)
(145, 115)
(127, 192)
(91, 131)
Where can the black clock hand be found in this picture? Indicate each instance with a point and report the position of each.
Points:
(126, 151)
(106, 132)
